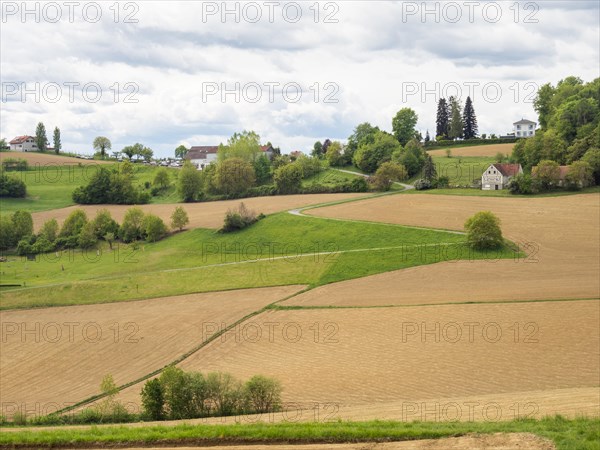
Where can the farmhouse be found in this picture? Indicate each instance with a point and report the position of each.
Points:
(23, 144)
(524, 128)
(202, 156)
(497, 176)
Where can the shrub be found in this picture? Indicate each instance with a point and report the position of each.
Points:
(189, 182)
(73, 224)
(580, 175)
(42, 245)
(19, 418)
(23, 224)
(359, 185)
(262, 394)
(87, 237)
(49, 230)
(8, 237)
(234, 176)
(15, 164)
(179, 218)
(483, 231)
(422, 184)
(154, 228)
(548, 174)
(132, 226)
(24, 247)
(386, 174)
(523, 184)
(288, 178)
(112, 187)
(103, 223)
(12, 187)
(239, 219)
(443, 182)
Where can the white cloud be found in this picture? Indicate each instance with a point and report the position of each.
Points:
(374, 54)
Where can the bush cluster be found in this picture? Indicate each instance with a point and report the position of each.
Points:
(240, 218)
(186, 395)
(11, 186)
(110, 187)
(79, 232)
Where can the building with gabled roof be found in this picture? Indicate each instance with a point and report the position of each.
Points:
(497, 175)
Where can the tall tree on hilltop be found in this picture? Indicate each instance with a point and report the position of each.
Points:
(455, 128)
(441, 121)
(470, 121)
(40, 137)
(403, 124)
(57, 144)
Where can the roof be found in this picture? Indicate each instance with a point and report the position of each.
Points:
(200, 151)
(508, 170)
(524, 122)
(20, 139)
(563, 171)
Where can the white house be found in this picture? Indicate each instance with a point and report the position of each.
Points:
(524, 128)
(202, 156)
(497, 176)
(23, 144)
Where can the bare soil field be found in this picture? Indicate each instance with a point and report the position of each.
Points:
(55, 357)
(479, 150)
(496, 441)
(419, 363)
(560, 235)
(49, 159)
(202, 215)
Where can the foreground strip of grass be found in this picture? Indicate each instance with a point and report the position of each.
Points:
(567, 434)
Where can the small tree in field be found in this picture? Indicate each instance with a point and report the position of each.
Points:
(263, 394)
(483, 231)
(179, 218)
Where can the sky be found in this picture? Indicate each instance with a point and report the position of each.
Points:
(193, 73)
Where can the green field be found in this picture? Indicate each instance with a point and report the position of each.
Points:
(279, 250)
(574, 434)
(51, 187)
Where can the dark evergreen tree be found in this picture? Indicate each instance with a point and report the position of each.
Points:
(429, 171)
(57, 144)
(469, 120)
(427, 137)
(442, 119)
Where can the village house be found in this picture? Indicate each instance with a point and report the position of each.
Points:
(524, 128)
(497, 176)
(23, 144)
(202, 156)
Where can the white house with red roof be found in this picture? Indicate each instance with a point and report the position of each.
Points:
(202, 156)
(497, 176)
(23, 144)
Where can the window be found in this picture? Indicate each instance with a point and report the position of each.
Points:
(518, 133)
(531, 133)
(518, 127)
(531, 127)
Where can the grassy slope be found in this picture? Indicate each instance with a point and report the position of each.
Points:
(50, 187)
(576, 434)
(207, 261)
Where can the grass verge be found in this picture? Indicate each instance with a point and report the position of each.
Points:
(567, 434)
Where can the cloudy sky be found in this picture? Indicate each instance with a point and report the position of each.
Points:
(169, 73)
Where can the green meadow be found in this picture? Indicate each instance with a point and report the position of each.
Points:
(281, 249)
